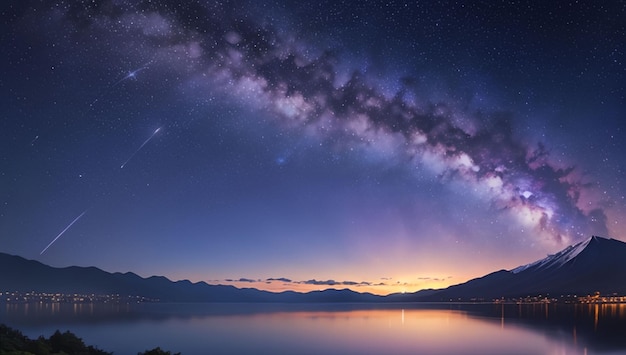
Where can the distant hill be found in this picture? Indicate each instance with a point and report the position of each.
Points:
(594, 265)
(19, 274)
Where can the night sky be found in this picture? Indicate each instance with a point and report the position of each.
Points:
(383, 146)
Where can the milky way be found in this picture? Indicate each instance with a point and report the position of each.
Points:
(385, 142)
(479, 148)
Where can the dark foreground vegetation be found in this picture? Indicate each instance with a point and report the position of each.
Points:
(13, 342)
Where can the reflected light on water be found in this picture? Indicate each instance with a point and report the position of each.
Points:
(595, 317)
(334, 329)
(385, 331)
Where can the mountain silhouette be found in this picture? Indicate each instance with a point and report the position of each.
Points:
(19, 274)
(593, 265)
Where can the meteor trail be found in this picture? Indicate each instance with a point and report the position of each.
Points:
(141, 146)
(131, 74)
(63, 231)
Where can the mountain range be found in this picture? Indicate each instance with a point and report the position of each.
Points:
(594, 265)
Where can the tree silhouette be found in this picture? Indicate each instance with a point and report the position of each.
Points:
(14, 342)
(157, 351)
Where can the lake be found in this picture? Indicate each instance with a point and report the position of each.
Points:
(332, 328)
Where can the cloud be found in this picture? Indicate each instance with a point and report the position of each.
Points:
(334, 283)
(437, 279)
(320, 282)
(243, 279)
(309, 282)
(247, 280)
(282, 279)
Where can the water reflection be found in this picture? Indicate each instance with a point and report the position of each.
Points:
(334, 328)
(599, 327)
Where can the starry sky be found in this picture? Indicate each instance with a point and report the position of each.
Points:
(383, 146)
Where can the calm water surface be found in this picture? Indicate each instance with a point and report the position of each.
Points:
(332, 328)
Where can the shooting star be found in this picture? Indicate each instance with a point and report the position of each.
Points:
(141, 146)
(63, 231)
(132, 74)
(34, 140)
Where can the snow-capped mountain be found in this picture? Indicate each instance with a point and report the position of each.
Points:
(594, 265)
(559, 259)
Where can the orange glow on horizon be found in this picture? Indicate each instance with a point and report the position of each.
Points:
(406, 272)
(381, 290)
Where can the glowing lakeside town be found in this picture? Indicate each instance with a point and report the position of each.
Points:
(71, 298)
(16, 297)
